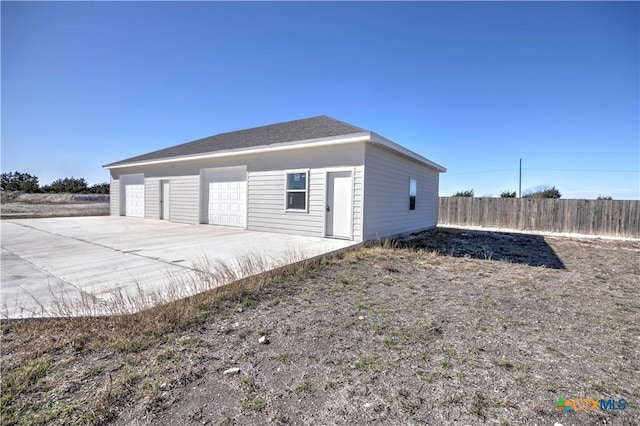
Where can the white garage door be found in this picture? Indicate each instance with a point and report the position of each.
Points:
(226, 190)
(134, 200)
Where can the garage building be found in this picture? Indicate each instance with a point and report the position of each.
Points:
(316, 177)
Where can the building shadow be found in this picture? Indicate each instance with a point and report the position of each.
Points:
(527, 249)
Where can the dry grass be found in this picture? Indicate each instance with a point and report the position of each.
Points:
(377, 336)
(207, 275)
(124, 326)
(18, 205)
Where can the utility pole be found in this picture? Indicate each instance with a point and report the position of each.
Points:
(520, 181)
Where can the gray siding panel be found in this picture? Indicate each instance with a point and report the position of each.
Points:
(185, 199)
(266, 207)
(265, 187)
(267, 210)
(114, 197)
(152, 199)
(311, 158)
(386, 198)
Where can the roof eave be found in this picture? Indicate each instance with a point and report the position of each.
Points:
(308, 143)
(376, 138)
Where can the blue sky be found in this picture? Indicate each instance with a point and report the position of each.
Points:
(472, 86)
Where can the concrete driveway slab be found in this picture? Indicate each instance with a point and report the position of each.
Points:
(84, 265)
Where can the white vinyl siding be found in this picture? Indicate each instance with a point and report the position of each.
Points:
(152, 198)
(114, 197)
(185, 199)
(265, 187)
(266, 200)
(386, 205)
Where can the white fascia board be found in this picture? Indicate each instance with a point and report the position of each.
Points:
(375, 138)
(309, 143)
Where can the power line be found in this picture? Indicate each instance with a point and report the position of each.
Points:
(584, 170)
(545, 170)
(483, 171)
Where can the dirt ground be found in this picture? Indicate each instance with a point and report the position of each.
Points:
(451, 327)
(18, 205)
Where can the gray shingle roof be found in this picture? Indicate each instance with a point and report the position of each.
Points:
(291, 131)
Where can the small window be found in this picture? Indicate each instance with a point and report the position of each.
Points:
(296, 191)
(412, 194)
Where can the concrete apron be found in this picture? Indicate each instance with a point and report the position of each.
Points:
(105, 265)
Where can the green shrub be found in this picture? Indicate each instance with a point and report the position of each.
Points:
(71, 185)
(17, 181)
(100, 188)
(467, 193)
(543, 192)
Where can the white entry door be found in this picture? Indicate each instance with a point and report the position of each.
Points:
(226, 190)
(339, 204)
(134, 200)
(165, 202)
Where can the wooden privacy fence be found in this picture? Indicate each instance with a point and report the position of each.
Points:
(596, 217)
